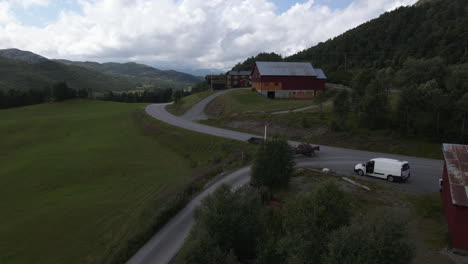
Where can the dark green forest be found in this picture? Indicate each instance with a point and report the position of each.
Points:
(434, 29)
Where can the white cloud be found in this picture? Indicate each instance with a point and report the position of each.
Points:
(29, 3)
(185, 33)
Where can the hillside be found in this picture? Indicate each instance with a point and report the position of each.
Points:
(17, 54)
(145, 75)
(38, 73)
(426, 30)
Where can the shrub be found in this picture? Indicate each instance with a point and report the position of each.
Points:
(378, 238)
(273, 164)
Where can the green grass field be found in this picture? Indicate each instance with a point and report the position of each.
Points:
(247, 101)
(187, 102)
(80, 178)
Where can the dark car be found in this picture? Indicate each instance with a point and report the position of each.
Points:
(255, 140)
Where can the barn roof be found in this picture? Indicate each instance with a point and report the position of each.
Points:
(320, 74)
(239, 73)
(456, 160)
(285, 68)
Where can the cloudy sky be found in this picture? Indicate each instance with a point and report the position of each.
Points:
(178, 33)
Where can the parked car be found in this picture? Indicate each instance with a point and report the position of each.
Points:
(306, 149)
(389, 169)
(255, 140)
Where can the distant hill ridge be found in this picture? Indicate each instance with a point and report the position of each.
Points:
(25, 70)
(141, 72)
(22, 55)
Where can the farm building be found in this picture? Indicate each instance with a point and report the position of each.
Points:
(287, 79)
(237, 79)
(216, 82)
(455, 194)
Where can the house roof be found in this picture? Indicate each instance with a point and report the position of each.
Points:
(239, 73)
(456, 160)
(285, 68)
(320, 74)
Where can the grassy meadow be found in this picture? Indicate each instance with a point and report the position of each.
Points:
(80, 178)
(247, 101)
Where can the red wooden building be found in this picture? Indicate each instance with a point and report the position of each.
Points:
(455, 194)
(239, 79)
(287, 79)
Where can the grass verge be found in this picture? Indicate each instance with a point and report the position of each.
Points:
(88, 181)
(187, 102)
(248, 101)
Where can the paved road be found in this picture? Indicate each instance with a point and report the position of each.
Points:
(166, 243)
(197, 112)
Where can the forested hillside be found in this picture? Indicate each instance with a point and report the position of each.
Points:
(428, 30)
(22, 75)
(146, 76)
(21, 55)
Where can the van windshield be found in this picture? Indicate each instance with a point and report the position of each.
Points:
(405, 167)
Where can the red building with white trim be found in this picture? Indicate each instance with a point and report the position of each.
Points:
(455, 194)
(287, 79)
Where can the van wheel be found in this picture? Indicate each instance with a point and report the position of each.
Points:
(390, 178)
(360, 173)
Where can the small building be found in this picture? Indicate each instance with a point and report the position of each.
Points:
(288, 79)
(455, 194)
(236, 79)
(216, 82)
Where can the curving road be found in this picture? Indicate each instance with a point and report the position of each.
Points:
(166, 243)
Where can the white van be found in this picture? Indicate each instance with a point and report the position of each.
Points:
(389, 169)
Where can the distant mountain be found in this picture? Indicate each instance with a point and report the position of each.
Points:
(21, 73)
(17, 54)
(147, 76)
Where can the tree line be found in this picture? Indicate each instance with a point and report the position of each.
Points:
(152, 96)
(58, 91)
(432, 100)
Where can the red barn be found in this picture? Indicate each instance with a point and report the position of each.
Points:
(455, 194)
(287, 79)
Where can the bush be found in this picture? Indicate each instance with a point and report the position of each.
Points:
(308, 221)
(378, 238)
(273, 165)
(224, 230)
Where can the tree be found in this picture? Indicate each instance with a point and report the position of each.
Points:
(308, 221)
(320, 98)
(378, 238)
(177, 96)
(61, 91)
(341, 108)
(273, 165)
(374, 105)
(230, 219)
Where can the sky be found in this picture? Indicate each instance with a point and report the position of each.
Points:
(178, 34)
